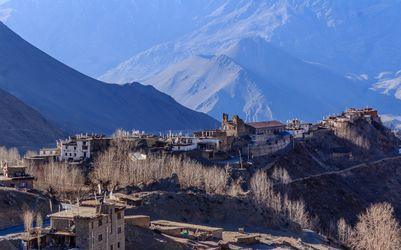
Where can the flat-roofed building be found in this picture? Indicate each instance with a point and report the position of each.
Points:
(93, 225)
(15, 176)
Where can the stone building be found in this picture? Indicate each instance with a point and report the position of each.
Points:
(93, 225)
(15, 176)
(237, 136)
(81, 147)
(298, 129)
(181, 143)
(350, 116)
(263, 131)
(267, 138)
(235, 127)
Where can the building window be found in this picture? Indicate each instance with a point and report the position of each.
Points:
(100, 237)
(92, 224)
(119, 230)
(111, 247)
(118, 245)
(119, 215)
(100, 222)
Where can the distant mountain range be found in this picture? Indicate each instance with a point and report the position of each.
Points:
(261, 59)
(78, 103)
(23, 127)
(258, 80)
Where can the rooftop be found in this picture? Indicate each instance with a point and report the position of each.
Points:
(166, 223)
(265, 124)
(10, 178)
(17, 167)
(75, 211)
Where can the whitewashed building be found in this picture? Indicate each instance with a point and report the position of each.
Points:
(184, 143)
(75, 148)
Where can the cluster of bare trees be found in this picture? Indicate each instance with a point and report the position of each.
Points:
(112, 170)
(114, 167)
(64, 180)
(11, 155)
(376, 228)
(281, 208)
(28, 218)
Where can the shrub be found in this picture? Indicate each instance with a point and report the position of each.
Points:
(283, 210)
(377, 229)
(344, 231)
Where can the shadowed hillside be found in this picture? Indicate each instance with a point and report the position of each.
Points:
(23, 127)
(79, 103)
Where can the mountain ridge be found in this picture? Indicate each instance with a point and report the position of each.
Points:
(80, 103)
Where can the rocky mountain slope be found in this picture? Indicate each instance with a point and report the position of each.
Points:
(342, 183)
(23, 127)
(259, 81)
(329, 33)
(79, 103)
(300, 74)
(347, 193)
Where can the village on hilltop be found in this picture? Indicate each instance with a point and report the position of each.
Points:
(98, 222)
(235, 139)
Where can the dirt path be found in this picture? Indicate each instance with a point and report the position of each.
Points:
(346, 169)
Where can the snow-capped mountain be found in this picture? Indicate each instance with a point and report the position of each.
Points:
(322, 53)
(346, 36)
(316, 44)
(257, 81)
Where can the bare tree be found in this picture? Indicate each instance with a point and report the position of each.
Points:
(27, 218)
(66, 181)
(296, 212)
(113, 168)
(282, 209)
(30, 153)
(11, 155)
(344, 231)
(377, 229)
(39, 225)
(110, 164)
(281, 175)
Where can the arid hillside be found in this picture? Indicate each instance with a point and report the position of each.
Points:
(346, 193)
(13, 203)
(340, 171)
